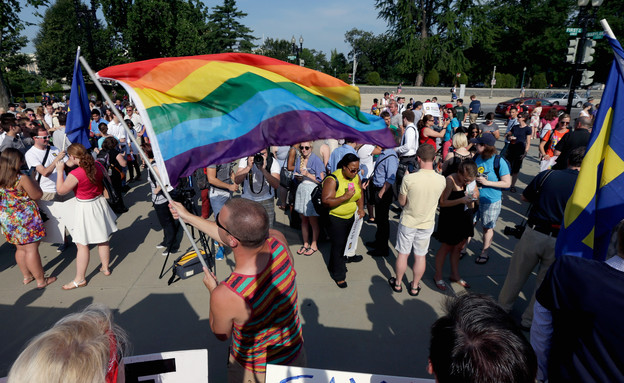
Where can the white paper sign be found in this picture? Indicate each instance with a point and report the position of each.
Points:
(169, 367)
(431, 108)
(354, 235)
(284, 374)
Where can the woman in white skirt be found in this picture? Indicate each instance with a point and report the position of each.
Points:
(94, 219)
(309, 172)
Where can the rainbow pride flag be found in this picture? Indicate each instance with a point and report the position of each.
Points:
(213, 109)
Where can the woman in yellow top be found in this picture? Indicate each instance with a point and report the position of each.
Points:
(342, 194)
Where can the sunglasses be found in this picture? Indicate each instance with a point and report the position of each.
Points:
(353, 170)
(305, 147)
(222, 227)
(43, 137)
(565, 122)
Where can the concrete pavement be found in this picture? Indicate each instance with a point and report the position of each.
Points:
(364, 328)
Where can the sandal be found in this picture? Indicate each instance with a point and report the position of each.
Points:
(462, 254)
(482, 259)
(341, 284)
(46, 282)
(28, 280)
(74, 285)
(412, 289)
(461, 282)
(393, 285)
(440, 285)
(302, 250)
(307, 253)
(105, 272)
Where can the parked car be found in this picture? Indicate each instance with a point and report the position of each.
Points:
(562, 99)
(530, 103)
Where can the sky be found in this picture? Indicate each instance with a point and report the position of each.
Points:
(321, 23)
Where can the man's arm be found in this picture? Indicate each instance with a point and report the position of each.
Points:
(504, 182)
(47, 170)
(225, 308)
(211, 174)
(402, 199)
(410, 142)
(541, 336)
(243, 170)
(209, 227)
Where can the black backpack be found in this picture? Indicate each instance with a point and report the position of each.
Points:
(317, 194)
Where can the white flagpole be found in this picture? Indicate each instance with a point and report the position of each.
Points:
(607, 28)
(143, 155)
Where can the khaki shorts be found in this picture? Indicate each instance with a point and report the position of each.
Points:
(413, 240)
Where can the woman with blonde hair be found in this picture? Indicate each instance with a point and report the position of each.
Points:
(309, 172)
(94, 219)
(20, 218)
(457, 156)
(81, 347)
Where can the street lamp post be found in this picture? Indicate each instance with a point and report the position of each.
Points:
(297, 49)
(523, 72)
(493, 82)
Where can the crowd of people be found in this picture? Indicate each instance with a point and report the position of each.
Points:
(444, 165)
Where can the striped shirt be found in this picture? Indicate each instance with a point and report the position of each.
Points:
(273, 332)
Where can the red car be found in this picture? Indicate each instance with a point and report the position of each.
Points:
(530, 103)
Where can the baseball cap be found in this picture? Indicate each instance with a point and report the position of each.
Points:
(585, 105)
(485, 139)
(448, 106)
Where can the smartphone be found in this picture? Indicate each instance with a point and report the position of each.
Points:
(351, 186)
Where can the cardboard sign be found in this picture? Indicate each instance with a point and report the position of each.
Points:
(431, 108)
(284, 374)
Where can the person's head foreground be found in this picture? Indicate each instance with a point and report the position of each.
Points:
(81, 347)
(476, 341)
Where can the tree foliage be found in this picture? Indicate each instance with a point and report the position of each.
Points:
(11, 40)
(227, 34)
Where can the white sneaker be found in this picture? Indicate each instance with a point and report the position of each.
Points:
(160, 246)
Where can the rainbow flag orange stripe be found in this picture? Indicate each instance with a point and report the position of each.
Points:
(213, 109)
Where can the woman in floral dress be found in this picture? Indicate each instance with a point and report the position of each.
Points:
(20, 218)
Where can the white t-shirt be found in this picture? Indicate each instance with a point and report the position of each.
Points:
(58, 136)
(261, 188)
(34, 157)
(117, 131)
(366, 158)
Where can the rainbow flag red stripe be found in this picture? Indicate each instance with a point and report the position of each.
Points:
(213, 109)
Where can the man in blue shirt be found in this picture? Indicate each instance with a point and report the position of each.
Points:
(338, 153)
(474, 108)
(96, 120)
(490, 194)
(379, 189)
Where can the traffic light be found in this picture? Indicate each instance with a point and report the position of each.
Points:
(573, 44)
(588, 50)
(586, 77)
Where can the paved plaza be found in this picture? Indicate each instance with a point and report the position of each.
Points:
(364, 328)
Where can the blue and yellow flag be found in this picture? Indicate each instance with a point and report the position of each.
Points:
(597, 202)
(78, 123)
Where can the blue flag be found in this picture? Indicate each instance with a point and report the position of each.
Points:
(78, 116)
(597, 202)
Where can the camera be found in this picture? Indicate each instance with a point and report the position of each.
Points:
(258, 160)
(515, 231)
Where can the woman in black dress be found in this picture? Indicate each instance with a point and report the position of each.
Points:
(455, 220)
(519, 137)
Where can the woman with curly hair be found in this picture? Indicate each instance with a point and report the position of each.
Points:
(20, 218)
(94, 219)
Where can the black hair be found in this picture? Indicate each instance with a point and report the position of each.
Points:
(384, 114)
(347, 159)
(96, 111)
(576, 156)
(62, 118)
(477, 341)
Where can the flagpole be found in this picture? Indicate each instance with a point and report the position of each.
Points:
(607, 28)
(143, 155)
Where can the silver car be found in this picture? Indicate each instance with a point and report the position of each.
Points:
(562, 99)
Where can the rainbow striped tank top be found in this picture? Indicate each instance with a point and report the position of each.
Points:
(273, 332)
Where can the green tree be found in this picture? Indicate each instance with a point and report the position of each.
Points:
(371, 51)
(337, 63)
(60, 33)
(432, 78)
(11, 40)
(227, 34)
(539, 81)
(373, 78)
(314, 59)
(277, 48)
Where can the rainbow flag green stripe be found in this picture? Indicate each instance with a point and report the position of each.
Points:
(212, 109)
